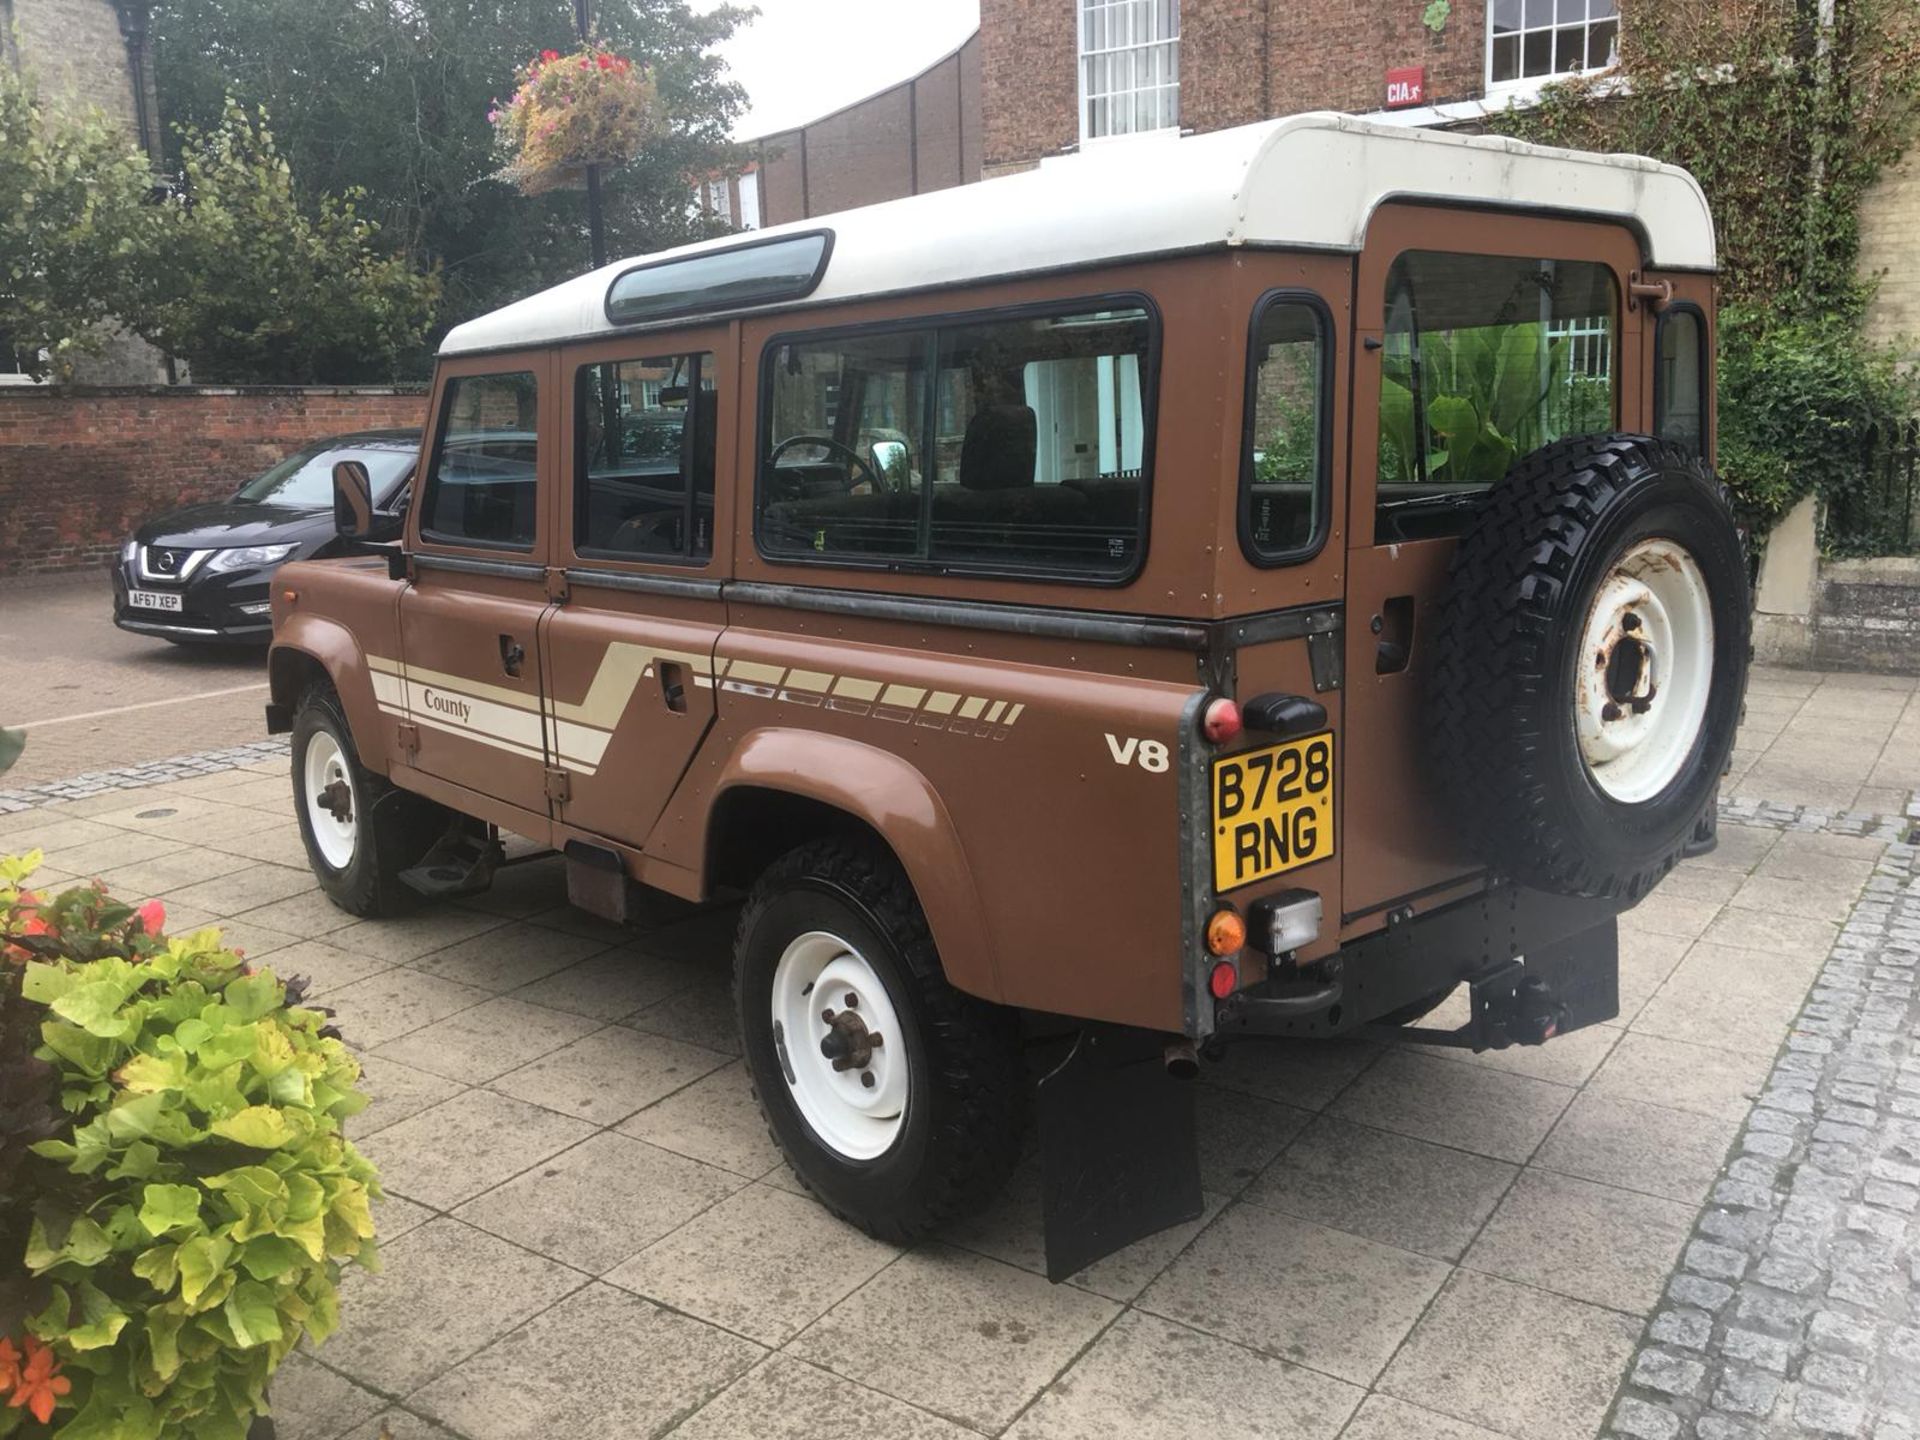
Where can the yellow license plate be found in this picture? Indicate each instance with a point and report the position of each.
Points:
(1272, 810)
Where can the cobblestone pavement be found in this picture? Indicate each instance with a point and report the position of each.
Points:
(588, 1233)
(94, 697)
(1796, 1308)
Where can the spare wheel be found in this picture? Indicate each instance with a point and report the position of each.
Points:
(1589, 663)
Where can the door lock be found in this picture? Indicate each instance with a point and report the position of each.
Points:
(511, 655)
(673, 685)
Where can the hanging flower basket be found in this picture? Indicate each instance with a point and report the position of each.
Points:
(592, 107)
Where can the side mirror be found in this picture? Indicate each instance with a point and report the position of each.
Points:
(889, 456)
(352, 501)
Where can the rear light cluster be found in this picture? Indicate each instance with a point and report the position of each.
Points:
(1220, 721)
(1226, 938)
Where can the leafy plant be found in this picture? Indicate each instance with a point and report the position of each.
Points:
(181, 1219)
(252, 285)
(592, 107)
(1436, 15)
(74, 221)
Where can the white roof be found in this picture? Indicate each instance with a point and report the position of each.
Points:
(1306, 182)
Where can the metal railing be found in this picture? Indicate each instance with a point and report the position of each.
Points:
(1881, 516)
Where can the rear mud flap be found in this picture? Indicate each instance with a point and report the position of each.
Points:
(1559, 987)
(1120, 1156)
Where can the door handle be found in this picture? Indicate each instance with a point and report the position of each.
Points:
(1394, 626)
(673, 685)
(511, 655)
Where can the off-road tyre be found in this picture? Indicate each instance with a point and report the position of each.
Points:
(393, 828)
(1501, 708)
(967, 1098)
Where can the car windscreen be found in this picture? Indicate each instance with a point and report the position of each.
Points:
(305, 478)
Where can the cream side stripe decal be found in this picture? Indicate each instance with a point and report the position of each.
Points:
(578, 733)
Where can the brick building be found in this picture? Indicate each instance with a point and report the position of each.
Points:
(922, 134)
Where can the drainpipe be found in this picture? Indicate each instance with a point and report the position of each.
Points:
(136, 32)
(1824, 21)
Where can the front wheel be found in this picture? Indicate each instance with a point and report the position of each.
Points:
(897, 1099)
(360, 832)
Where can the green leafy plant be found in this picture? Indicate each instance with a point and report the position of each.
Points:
(176, 1196)
(74, 223)
(1436, 15)
(250, 283)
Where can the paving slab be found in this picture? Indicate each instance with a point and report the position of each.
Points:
(1467, 1107)
(608, 1074)
(602, 1364)
(787, 1399)
(465, 1146)
(1151, 1379)
(956, 1333)
(1584, 1240)
(715, 1120)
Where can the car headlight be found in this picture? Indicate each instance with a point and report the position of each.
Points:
(129, 552)
(249, 557)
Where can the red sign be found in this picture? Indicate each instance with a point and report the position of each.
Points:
(1406, 86)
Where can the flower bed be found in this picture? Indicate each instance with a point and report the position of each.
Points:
(177, 1199)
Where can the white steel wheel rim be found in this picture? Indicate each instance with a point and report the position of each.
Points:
(325, 767)
(816, 974)
(1644, 671)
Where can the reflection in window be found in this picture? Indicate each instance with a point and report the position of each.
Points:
(643, 458)
(1537, 39)
(1284, 463)
(1010, 443)
(1486, 359)
(481, 490)
(1678, 389)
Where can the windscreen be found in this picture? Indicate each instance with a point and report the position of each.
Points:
(305, 478)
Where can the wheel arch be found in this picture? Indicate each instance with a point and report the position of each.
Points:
(310, 648)
(780, 788)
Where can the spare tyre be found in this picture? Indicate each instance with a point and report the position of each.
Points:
(1589, 663)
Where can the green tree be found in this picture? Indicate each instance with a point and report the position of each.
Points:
(74, 220)
(249, 285)
(391, 97)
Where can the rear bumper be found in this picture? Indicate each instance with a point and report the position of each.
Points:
(1565, 939)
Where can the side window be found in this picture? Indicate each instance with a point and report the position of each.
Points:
(1680, 382)
(1283, 468)
(1017, 443)
(1486, 359)
(481, 486)
(643, 438)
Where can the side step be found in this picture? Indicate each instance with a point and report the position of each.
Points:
(461, 862)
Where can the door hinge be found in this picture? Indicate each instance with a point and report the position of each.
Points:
(407, 736)
(556, 585)
(559, 785)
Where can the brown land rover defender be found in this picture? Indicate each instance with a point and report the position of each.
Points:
(1246, 585)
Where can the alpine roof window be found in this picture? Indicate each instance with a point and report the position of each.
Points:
(1013, 444)
(761, 272)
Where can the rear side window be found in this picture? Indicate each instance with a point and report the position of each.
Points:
(643, 458)
(1680, 382)
(1017, 443)
(1283, 481)
(481, 486)
(1486, 359)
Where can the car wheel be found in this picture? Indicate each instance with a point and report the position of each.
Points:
(898, 1100)
(1590, 662)
(360, 832)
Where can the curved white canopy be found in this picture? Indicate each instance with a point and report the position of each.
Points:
(1306, 182)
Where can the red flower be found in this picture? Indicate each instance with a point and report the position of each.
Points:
(151, 916)
(39, 1382)
(35, 924)
(9, 1366)
(606, 62)
(549, 55)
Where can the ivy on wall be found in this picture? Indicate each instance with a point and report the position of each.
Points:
(1786, 117)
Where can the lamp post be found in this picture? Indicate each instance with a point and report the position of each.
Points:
(596, 226)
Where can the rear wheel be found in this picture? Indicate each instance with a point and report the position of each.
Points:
(897, 1099)
(1589, 663)
(360, 832)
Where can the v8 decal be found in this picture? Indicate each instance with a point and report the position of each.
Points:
(1131, 750)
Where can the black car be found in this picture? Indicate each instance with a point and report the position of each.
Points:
(203, 573)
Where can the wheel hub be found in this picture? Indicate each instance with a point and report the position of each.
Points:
(845, 1062)
(337, 799)
(1640, 702)
(848, 1043)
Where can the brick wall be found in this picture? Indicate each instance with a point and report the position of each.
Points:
(1029, 80)
(1334, 54)
(75, 51)
(922, 134)
(81, 466)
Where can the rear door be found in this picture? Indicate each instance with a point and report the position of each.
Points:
(629, 654)
(469, 669)
(1482, 337)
